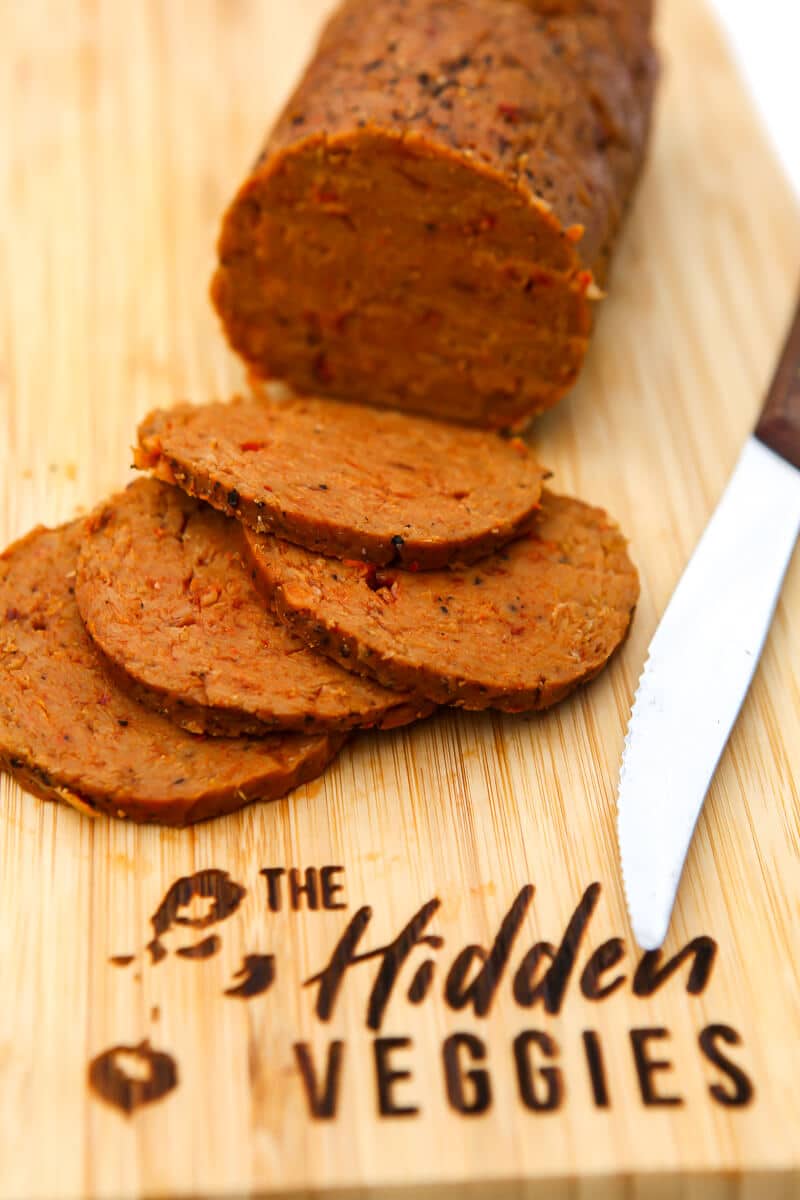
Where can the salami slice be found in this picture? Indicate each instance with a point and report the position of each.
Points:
(518, 631)
(347, 480)
(67, 732)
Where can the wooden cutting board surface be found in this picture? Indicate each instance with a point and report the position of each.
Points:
(125, 129)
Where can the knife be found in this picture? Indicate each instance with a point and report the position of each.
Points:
(704, 654)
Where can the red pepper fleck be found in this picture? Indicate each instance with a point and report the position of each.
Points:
(432, 318)
(511, 113)
(414, 566)
(585, 280)
(483, 224)
(376, 579)
(252, 445)
(322, 370)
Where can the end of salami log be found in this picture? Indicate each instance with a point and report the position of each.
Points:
(427, 224)
(386, 270)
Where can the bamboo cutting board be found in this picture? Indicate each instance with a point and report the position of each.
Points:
(125, 130)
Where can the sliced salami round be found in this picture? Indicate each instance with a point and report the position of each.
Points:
(349, 481)
(518, 631)
(67, 732)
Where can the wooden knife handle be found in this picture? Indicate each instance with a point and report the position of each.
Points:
(779, 424)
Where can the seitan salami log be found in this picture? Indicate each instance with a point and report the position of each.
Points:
(349, 481)
(164, 592)
(429, 219)
(68, 733)
(518, 631)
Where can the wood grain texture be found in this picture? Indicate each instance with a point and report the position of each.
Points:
(124, 129)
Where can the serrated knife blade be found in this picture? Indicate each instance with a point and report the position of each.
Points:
(704, 654)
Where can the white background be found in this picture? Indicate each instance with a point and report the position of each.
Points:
(765, 35)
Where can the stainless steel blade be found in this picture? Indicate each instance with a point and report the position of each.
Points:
(700, 665)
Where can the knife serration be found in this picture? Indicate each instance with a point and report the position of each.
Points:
(699, 668)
